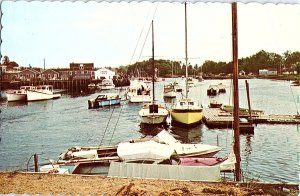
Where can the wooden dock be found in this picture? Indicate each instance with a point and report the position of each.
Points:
(218, 118)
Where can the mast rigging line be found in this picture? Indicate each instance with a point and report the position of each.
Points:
(116, 125)
(107, 126)
(141, 35)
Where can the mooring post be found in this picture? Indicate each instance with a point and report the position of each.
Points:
(248, 98)
(36, 163)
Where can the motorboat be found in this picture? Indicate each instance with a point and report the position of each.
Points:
(41, 92)
(104, 99)
(106, 84)
(138, 92)
(19, 94)
(212, 90)
(169, 91)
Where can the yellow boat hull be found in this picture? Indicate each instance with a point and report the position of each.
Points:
(187, 117)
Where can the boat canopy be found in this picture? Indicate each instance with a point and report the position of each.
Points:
(185, 149)
(149, 150)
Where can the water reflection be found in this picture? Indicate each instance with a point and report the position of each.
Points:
(146, 129)
(192, 135)
(16, 103)
(248, 149)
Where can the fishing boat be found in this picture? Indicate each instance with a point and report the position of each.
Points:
(169, 91)
(41, 92)
(104, 99)
(138, 92)
(153, 113)
(19, 94)
(106, 84)
(186, 112)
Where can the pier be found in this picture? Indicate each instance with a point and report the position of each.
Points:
(219, 118)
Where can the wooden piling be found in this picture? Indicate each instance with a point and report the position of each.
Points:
(36, 163)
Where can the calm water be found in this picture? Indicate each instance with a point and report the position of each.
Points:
(50, 127)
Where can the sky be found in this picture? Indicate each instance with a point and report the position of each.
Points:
(115, 34)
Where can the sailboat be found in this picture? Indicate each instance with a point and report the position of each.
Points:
(153, 113)
(186, 112)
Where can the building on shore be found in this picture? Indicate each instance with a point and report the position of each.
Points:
(104, 73)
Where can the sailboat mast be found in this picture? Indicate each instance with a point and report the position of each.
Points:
(186, 54)
(153, 98)
(236, 124)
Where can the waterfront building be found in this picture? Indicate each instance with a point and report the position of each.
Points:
(104, 73)
(50, 74)
(82, 70)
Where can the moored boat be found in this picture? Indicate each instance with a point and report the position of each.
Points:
(18, 95)
(153, 114)
(212, 90)
(186, 113)
(215, 104)
(138, 92)
(169, 91)
(106, 84)
(104, 99)
(41, 92)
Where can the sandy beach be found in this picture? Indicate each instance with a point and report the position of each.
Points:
(56, 184)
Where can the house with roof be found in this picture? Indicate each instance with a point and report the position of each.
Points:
(104, 73)
(50, 74)
(29, 74)
(82, 70)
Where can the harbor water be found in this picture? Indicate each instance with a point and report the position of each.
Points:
(50, 127)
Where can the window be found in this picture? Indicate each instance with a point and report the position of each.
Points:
(81, 66)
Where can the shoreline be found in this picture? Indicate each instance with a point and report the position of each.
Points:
(57, 184)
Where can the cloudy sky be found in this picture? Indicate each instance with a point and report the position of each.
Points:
(114, 34)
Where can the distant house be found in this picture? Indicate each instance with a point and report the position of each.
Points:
(263, 72)
(29, 74)
(104, 73)
(82, 70)
(272, 72)
(11, 75)
(64, 73)
(267, 72)
(50, 74)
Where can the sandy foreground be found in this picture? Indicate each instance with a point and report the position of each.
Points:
(56, 184)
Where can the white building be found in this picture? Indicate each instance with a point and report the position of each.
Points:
(104, 73)
(267, 72)
(263, 72)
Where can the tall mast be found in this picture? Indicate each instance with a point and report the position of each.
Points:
(186, 55)
(153, 98)
(236, 124)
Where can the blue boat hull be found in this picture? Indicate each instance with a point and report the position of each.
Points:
(110, 102)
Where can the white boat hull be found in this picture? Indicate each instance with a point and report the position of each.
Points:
(140, 98)
(36, 96)
(153, 118)
(170, 94)
(107, 87)
(16, 97)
